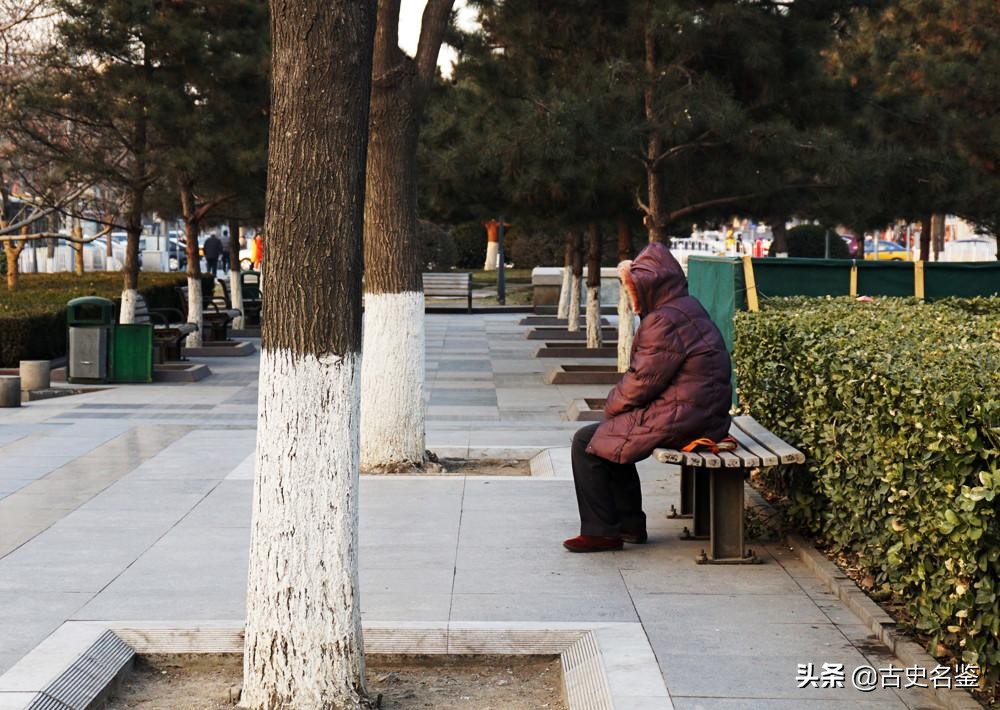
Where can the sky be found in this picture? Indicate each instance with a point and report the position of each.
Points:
(409, 29)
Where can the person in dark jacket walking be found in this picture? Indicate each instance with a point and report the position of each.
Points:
(677, 390)
(213, 250)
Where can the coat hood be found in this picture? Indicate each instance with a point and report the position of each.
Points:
(655, 278)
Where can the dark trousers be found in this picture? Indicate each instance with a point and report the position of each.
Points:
(608, 493)
(224, 262)
(213, 265)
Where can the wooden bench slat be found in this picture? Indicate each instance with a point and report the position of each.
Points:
(748, 460)
(693, 459)
(711, 460)
(668, 456)
(730, 460)
(765, 456)
(785, 452)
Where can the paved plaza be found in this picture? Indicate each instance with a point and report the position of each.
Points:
(133, 504)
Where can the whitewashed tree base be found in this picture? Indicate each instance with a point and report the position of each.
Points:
(573, 317)
(392, 381)
(492, 256)
(594, 317)
(567, 279)
(236, 295)
(195, 313)
(126, 315)
(299, 653)
(626, 329)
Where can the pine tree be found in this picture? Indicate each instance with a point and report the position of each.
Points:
(304, 647)
(392, 382)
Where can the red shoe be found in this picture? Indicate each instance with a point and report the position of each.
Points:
(592, 543)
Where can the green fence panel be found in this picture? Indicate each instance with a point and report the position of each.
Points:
(884, 278)
(801, 277)
(942, 279)
(717, 282)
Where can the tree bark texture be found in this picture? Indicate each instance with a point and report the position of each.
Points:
(492, 245)
(779, 235)
(235, 289)
(593, 286)
(192, 230)
(392, 380)
(626, 328)
(937, 235)
(573, 317)
(567, 279)
(12, 250)
(655, 189)
(303, 645)
(624, 239)
(78, 266)
(925, 237)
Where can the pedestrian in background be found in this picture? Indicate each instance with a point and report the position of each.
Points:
(224, 258)
(213, 250)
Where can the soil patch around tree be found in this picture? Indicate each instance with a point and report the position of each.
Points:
(458, 467)
(212, 681)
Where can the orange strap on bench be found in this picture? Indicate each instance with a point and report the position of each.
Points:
(727, 444)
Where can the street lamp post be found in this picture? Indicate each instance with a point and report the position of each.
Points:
(501, 268)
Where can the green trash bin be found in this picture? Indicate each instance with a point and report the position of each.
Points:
(132, 353)
(90, 321)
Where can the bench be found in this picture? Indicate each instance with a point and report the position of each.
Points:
(168, 334)
(457, 284)
(252, 301)
(216, 315)
(712, 488)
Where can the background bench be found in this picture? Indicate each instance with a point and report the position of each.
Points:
(457, 284)
(169, 330)
(712, 488)
(217, 315)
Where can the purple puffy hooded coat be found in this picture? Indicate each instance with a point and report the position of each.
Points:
(677, 387)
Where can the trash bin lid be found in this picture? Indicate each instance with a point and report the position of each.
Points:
(91, 301)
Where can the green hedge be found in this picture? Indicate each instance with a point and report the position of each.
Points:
(897, 406)
(33, 318)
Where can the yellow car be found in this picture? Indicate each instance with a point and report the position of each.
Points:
(887, 251)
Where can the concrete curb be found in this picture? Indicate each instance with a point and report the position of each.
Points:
(876, 620)
(871, 615)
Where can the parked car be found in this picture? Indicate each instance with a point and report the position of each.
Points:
(176, 254)
(887, 251)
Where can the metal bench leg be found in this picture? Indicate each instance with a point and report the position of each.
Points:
(727, 511)
(687, 495)
(701, 506)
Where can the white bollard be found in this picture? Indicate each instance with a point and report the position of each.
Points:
(35, 375)
(10, 391)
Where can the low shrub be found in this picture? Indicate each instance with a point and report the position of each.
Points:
(897, 406)
(33, 318)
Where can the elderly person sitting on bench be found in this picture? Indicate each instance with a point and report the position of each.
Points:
(675, 394)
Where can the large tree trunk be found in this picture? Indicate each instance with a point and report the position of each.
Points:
(655, 188)
(573, 317)
(392, 377)
(925, 237)
(304, 646)
(192, 230)
(593, 286)
(562, 311)
(235, 290)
